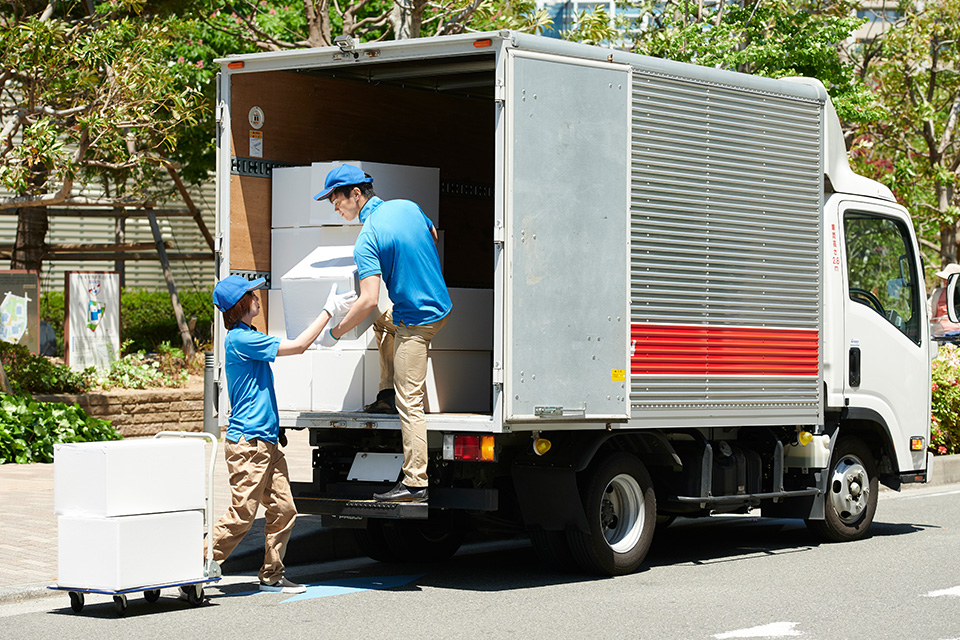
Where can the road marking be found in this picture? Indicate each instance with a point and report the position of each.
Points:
(772, 630)
(953, 591)
(926, 495)
(351, 585)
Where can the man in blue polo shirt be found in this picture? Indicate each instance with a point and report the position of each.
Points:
(398, 245)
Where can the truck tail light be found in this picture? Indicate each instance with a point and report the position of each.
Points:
(916, 443)
(480, 44)
(469, 447)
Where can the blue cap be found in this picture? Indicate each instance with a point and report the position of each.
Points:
(229, 290)
(343, 176)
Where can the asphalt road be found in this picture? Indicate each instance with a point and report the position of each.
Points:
(726, 577)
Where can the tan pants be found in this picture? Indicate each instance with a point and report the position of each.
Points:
(405, 366)
(258, 475)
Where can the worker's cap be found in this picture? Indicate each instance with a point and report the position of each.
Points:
(948, 270)
(343, 176)
(229, 290)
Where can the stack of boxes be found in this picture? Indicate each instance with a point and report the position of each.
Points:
(130, 513)
(312, 248)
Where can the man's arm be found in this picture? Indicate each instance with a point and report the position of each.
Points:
(306, 338)
(367, 302)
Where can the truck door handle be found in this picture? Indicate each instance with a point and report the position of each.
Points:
(854, 366)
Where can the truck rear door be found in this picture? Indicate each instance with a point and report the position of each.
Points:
(566, 239)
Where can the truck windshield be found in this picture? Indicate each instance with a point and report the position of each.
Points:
(880, 269)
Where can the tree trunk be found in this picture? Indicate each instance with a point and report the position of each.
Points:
(406, 17)
(948, 230)
(30, 245)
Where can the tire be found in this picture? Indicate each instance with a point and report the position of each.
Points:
(621, 509)
(120, 604)
(552, 549)
(151, 595)
(431, 540)
(851, 500)
(195, 595)
(76, 601)
(373, 543)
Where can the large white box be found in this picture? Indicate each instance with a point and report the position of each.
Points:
(338, 380)
(306, 287)
(290, 246)
(293, 381)
(390, 182)
(459, 382)
(129, 551)
(470, 327)
(127, 477)
(276, 326)
(291, 196)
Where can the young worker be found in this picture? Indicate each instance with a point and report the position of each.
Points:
(398, 244)
(258, 469)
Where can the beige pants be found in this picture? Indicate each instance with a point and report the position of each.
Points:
(258, 475)
(405, 366)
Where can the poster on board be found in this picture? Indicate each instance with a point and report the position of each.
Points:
(20, 308)
(91, 333)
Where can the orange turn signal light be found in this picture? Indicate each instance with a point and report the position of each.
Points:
(488, 449)
(479, 44)
(235, 65)
(916, 443)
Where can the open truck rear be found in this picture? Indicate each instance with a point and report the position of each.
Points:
(679, 299)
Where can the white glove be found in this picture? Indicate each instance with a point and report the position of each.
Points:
(326, 338)
(339, 304)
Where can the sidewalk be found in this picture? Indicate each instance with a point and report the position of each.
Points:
(28, 526)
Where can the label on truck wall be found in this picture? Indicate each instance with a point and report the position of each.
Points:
(256, 144)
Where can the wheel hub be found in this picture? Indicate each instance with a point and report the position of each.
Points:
(621, 513)
(849, 489)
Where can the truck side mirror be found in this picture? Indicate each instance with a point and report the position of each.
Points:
(952, 303)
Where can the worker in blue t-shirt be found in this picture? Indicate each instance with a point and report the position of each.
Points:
(398, 245)
(258, 469)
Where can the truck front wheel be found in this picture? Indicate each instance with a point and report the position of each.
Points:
(621, 509)
(851, 499)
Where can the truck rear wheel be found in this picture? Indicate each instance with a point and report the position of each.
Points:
(621, 509)
(552, 549)
(851, 500)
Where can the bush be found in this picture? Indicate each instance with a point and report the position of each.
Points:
(29, 429)
(945, 405)
(167, 368)
(146, 317)
(30, 373)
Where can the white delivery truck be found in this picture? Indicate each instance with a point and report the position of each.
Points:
(682, 301)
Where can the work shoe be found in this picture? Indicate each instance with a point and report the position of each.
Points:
(402, 493)
(380, 406)
(282, 586)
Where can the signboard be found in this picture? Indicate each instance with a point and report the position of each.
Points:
(20, 309)
(91, 333)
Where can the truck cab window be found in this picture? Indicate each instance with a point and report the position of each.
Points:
(880, 270)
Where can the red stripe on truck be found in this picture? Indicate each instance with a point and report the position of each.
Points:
(670, 349)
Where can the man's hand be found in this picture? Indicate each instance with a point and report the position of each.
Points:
(327, 339)
(337, 305)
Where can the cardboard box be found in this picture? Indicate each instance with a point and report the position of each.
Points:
(129, 551)
(470, 327)
(127, 477)
(307, 285)
(338, 380)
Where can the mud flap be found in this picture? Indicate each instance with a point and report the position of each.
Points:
(549, 498)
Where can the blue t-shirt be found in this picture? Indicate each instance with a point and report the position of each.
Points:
(253, 401)
(396, 244)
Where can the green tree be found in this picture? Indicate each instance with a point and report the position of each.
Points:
(91, 95)
(915, 74)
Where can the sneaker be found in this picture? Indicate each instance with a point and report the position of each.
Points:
(402, 493)
(282, 586)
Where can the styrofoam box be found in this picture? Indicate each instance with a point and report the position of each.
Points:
(457, 381)
(290, 246)
(337, 380)
(128, 477)
(293, 382)
(291, 196)
(390, 182)
(470, 326)
(277, 327)
(129, 551)
(306, 287)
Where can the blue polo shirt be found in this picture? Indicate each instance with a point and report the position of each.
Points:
(396, 244)
(253, 401)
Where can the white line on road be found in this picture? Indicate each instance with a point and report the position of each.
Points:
(772, 630)
(953, 591)
(925, 495)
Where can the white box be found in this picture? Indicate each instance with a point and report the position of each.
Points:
(307, 285)
(371, 375)
(293, 381)
(127, 477)
(277, 327)
(470, 327)
(338, 380)
(390, 182)
(129, 551)
(459, 382)
(291, 196)
(290, 246)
